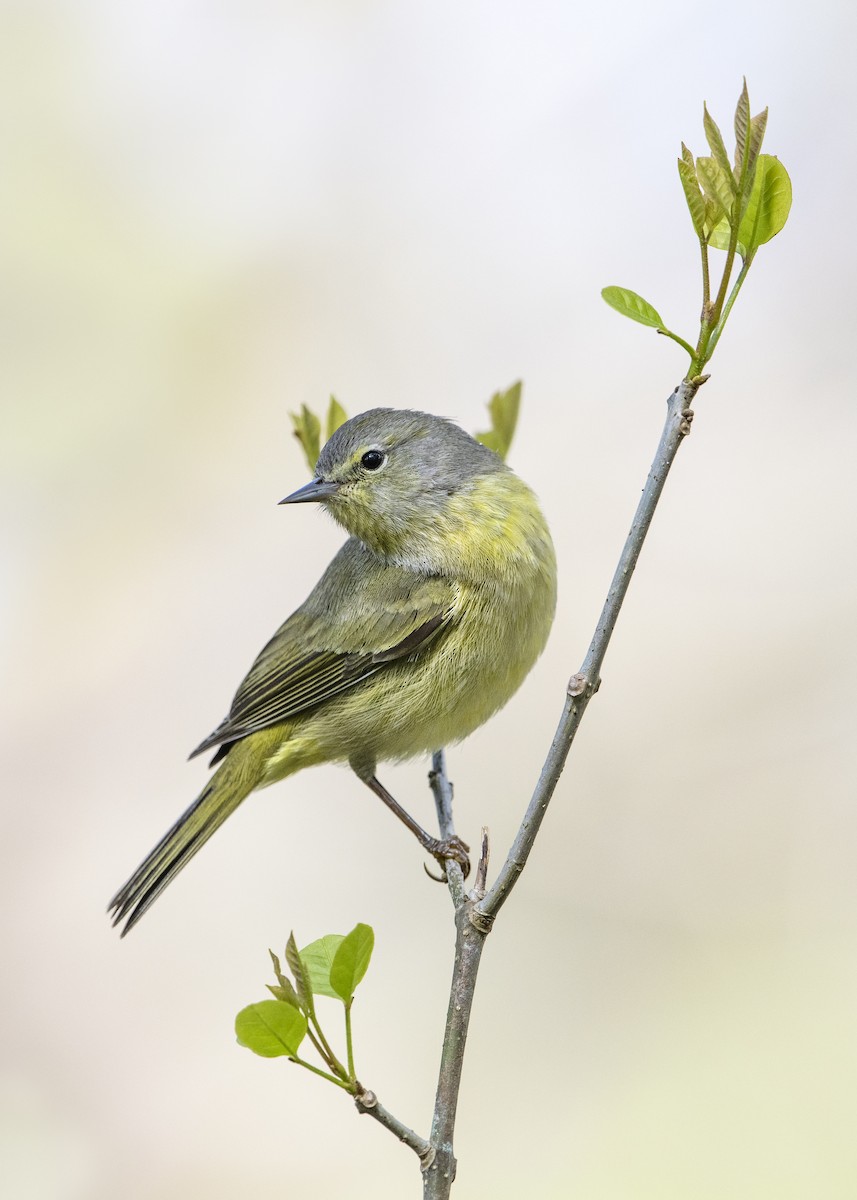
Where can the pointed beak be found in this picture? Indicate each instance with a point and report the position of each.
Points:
(311, 492)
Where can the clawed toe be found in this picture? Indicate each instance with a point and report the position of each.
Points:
(452, 849)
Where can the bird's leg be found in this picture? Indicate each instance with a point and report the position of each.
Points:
(442, 850)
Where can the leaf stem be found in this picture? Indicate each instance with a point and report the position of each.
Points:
(318, 1046)
(706, 279)
(711, 316)
(348, 1042)
(685, 345)
(724, 282)
(733, 296)
(331, 1059)
(324, 1074)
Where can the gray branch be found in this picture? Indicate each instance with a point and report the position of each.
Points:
(369, 1105)
(474, 918)
(442, 791)
(439, 1173)
(583, 686)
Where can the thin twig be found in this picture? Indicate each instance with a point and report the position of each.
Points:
(482, 866)
(369, 1105)
(442, 792)
(474, 920)
(439, 1174)
(584, 685)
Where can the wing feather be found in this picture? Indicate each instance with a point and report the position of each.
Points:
(361, 616)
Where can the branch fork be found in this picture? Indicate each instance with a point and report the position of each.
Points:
(475, 914)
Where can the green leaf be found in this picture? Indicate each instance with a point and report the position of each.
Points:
(693, 195)
(758, 125)
(352, 961)
(303, 985)
(278, 970)
(719, 238)
(336, 416)
(491, 439)
(629, 304)
(503, 408)
(742, 128)
(271, 1028)
(767, 209)
(280, 993)
(713, 215)
(757, 134)
(307, 429)
(771, 200)
(687, 156)
(715, 182)
(715, 140)
(317, 958)
(285, 990)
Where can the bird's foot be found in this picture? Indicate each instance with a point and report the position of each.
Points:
(453, 849)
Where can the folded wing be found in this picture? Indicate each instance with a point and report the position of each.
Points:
(361, 616)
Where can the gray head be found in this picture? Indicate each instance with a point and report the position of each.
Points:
(387, 473)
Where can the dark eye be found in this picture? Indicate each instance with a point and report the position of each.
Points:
(373, 459)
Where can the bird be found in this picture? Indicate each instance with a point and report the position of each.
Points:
(424, 624)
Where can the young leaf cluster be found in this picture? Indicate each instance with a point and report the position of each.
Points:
(306, 427)
(331, 966)
(736, 205)
(503, 410)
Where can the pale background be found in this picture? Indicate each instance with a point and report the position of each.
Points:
(215, 212)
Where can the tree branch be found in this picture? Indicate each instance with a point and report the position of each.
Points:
(442, 791)
(369, 1105)
(583, 686)
(439, 1172)
(474, 919)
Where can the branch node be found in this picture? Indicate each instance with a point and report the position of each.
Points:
(482, 922)
(577, 685)
(366, 1099)
(428, 1158)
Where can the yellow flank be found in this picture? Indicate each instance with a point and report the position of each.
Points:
(425, 623)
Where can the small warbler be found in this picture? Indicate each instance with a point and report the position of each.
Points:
(424, 624)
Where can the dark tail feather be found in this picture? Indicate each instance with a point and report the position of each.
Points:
(192, 830)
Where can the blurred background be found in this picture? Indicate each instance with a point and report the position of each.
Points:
(213, 213)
